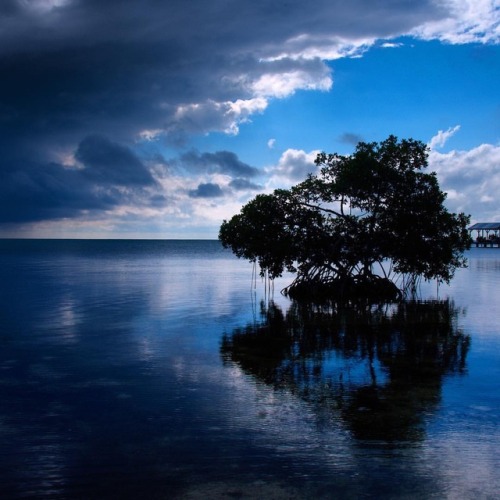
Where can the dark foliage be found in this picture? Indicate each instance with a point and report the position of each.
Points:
(369, 225)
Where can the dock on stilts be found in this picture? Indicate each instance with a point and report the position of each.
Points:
(487, 234)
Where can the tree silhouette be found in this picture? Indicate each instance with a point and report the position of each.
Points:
(368, 225)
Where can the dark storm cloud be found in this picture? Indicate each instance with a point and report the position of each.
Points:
(91, 66)
(224, 162)
(110, 163)
(74, 71)
(9, 8)
(111, 175)
(35, 192)
(208, 190)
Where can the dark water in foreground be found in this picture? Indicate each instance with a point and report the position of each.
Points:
(142, 369)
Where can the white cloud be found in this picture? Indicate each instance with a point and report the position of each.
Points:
(391, 45)
(471, 179)
(465, 21)
(439, 140)
(150, 135)
(285, 84)
(328, 47)
(216, 116)
(271, 143)
(293, 166)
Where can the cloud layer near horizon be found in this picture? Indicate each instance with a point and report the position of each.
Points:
(86, 83)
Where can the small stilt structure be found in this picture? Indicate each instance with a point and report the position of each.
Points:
(487, 234)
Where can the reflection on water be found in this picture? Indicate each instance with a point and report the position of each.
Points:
(112, 383)
(380, 369)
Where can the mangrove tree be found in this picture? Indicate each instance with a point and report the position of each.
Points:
(371, 224)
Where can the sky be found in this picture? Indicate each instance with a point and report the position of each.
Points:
(160, 119)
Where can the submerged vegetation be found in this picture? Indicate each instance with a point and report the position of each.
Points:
(369, 225)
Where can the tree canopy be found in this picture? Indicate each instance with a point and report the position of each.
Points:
(369, 224)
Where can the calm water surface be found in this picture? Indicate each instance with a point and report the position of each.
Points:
(151, 369)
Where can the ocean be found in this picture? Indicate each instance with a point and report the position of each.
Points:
(163, 369)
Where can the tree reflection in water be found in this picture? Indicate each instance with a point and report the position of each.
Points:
(378, 369)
